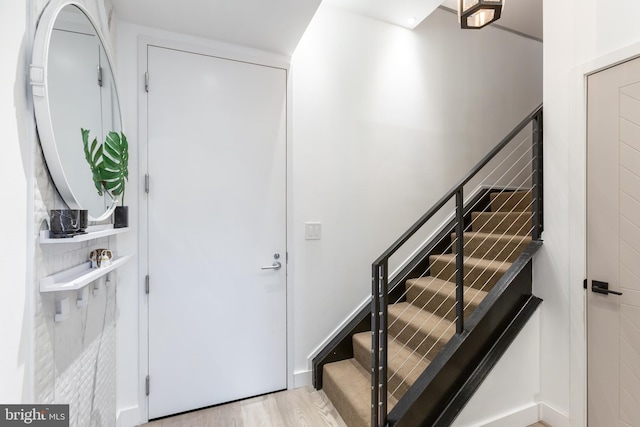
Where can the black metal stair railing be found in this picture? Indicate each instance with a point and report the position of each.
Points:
(380, 268)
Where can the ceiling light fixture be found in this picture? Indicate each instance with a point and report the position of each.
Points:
(475, 14)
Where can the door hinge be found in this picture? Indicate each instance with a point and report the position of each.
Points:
(146, 183)
(146, 81)
(287, 257)
(146, 284)
(99, 76)
(584, 284)
(146, 385)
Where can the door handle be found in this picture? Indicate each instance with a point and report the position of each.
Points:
(602, 288)
(275, 266)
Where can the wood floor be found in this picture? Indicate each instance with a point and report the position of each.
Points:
(302, 407)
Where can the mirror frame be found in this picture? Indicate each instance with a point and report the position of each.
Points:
(40, 94)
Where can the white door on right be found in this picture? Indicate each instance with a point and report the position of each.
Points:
(613, 246)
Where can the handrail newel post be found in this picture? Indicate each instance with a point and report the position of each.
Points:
(384, 324)
(459, 260)
(536, 148)
(540, 123)
(379, 341)
(375, 345)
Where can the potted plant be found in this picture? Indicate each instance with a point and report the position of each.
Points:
(109, 163)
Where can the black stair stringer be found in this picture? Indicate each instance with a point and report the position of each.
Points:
(444, 388)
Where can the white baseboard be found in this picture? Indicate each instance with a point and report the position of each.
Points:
(528, 415)
(520, 417)
(129, 417)
(302, 379)
(553, 417)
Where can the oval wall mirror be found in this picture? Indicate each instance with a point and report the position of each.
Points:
(74, 88)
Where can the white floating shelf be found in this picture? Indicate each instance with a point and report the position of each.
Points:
(93, 232)
(77, 277)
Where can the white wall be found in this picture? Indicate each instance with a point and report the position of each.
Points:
(15, 292)
(74, 360)
(509, 390)
(579, 37)
(30, 368)
(385, 121)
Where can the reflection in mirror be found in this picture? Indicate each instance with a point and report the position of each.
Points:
(81, 93)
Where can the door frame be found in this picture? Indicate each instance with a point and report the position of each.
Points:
(578, 223)
(229, 52)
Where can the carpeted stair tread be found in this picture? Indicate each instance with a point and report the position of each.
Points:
(419, 328)
(497, 247)
(404, 365)
(348, 386)
(478, 273)
(425, 332)
(507, 201)
(502, 222)
(439, 296)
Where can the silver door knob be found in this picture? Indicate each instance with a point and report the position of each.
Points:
(275, 266)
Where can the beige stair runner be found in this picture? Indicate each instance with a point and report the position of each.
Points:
(420, 327)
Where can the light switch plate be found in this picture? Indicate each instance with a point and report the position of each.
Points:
(312, 231)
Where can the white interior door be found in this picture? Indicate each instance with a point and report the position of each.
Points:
(216, 215)
(613, 246)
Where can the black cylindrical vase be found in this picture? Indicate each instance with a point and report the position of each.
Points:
(83, 220)
(121, 217)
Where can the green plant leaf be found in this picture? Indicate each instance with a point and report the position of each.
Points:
(115, 164)
(94, 157)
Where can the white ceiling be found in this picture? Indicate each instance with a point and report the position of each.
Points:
(406, 13)
(523, 16)
(278, 25)
(271, 25)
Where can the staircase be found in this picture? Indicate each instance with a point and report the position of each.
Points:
(421, 326)
(442, 320)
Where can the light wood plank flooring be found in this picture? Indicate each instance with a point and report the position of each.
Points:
(302, 407)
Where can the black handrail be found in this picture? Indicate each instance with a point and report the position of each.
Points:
(379, 271)
(440, 203)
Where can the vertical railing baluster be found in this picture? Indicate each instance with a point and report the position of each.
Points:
(384, 324)
(379, 341)
(540, 122)
(459, 261)
(375, 344)
(536, 149)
